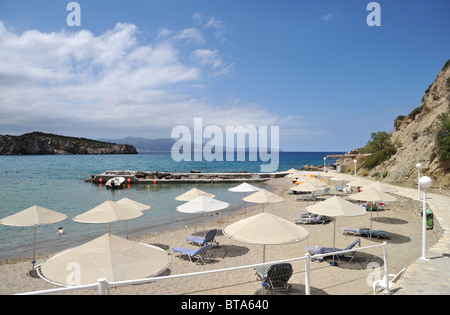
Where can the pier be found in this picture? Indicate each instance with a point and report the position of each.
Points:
(154, 177)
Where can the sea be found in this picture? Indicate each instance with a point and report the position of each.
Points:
(57, 182)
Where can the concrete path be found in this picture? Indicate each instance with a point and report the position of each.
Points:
(430, 277)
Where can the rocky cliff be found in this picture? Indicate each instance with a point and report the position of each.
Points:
(37, 143)
(415, 136)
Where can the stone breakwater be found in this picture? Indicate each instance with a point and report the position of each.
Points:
(194, 176)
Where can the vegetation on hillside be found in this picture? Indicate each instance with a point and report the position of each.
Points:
(51, 136)
(380, 147)
(443, 137)
(416, 111)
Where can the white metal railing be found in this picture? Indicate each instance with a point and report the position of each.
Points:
(102, 285)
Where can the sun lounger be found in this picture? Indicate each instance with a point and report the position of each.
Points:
(275, 276)
(311, 219)
(330, 250)
(364, 231)
(194, 253)
(382, 283)
(208, 239)
(311, 197)
(323, 192)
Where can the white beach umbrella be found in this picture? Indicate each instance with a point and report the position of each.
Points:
(329, 174)
(244, 188)
(133, 204)
(336, 207)
(307, 187)
(291, 171)
(265, 229)
(372, 195)
(359, 182)
(342, 178)
(34, 216)
(108, 212)
(311, 180)
(296, 174)
(109, 256)
(380, 186)
(264, 197)
(192, 194)
(201, 205)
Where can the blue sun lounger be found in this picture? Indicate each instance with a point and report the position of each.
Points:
(208, 239)
(275, 276)
(194, 253)
(311, 219)
(375, 233)
(330, 250)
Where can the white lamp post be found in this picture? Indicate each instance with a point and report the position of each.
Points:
(418, 165)
(354, 161)
(324, 159)
(424, 182)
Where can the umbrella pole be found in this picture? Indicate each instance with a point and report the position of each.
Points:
(203, 221)
(264, 253)
(334, 263)
(34, 247)
(264, 260)
(371, 215)
(245, 207)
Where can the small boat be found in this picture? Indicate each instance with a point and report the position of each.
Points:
(115, 182)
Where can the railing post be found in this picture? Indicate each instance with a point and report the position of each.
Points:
(386, 273)
(307, 274)
(101, 286)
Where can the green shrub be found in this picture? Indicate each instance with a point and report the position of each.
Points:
(378, 157)
(399, 117)
(443, 137)
(380, 140)
(415, 112)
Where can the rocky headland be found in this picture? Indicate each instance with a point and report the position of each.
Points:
(422, 136)
(38, 143)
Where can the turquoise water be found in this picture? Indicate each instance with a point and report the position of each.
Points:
(56, 182)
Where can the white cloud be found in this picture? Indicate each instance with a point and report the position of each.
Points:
(213, 59)
(326, 18)
(216, 25)
(111, 84)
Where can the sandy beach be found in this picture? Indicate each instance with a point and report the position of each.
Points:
(402, 219)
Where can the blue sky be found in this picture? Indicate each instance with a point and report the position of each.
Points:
(140, 68)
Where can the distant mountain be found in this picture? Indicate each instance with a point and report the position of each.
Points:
(144, 145)
(39, 143)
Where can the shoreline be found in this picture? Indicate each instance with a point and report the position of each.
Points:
(401, 249)
(139, 232)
